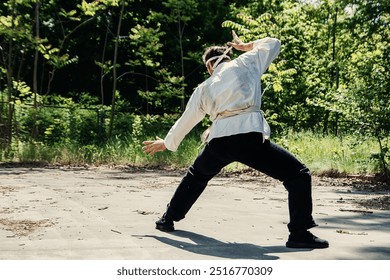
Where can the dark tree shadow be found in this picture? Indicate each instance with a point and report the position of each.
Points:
(364, 224)
(376, 253)
(379, 220)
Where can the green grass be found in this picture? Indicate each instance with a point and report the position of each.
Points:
(118, 151)
(321, 154)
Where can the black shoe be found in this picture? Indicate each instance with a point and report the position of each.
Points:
(165, 224)
(305, 239)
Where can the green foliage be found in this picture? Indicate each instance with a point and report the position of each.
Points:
(332, 74)
(146, 45)
(168, 89)
(92, 8)
(180, 10)
(52, 55)
(333, 68)
(61, 121)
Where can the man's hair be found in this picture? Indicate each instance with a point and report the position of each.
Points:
(215, 51)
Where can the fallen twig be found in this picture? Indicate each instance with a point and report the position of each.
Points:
(357, 211)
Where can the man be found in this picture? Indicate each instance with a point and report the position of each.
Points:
(231, 96)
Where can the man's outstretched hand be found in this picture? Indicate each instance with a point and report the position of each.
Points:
(154, 146)
(238, 44)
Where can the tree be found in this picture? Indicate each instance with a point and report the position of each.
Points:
(114, 73)
(337, 55)
(180, 13)
(14, 28)
(364, 98)
(278, 83)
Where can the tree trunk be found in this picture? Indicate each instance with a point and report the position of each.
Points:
(334, 71)
(10, 85)
(35, 71)
(101, 112)
(181, 31)
(114, 74)
(382, 159)
(102, 69)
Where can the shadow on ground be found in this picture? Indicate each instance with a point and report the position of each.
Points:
(203, 245)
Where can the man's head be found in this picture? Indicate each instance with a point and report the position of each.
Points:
(214, 55)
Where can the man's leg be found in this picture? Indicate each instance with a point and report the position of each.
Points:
(205, 167)
(273, 160)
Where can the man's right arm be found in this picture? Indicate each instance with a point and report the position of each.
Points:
(192, 115)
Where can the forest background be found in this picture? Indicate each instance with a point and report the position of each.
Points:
(88, 81)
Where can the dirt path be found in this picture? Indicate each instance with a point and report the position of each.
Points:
(109, 213)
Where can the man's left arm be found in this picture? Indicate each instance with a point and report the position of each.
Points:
(262, 51)
(267, 50)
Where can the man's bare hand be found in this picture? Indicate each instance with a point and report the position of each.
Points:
(238, 44)
(154, 146)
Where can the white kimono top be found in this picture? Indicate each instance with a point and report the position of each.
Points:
(231, 96)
